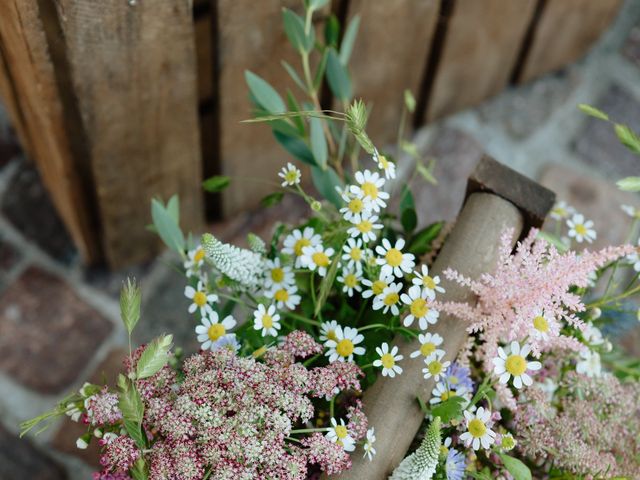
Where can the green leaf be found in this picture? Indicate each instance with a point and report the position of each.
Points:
(129, 401)
(332, 31)
(327, 282)
(409, 101)
(134, 430)
(317, 4)
(449, 409)
(139, 470)
(406, 199)
(593, 111)
(167, 226)
(296, 147)
(293, 105)
(409, 220)
(338, 77)
(326, 182)
(216, 184)
(272, 199)
(427, 172)
(629, 184)
(322, 67)
(294, 75)
(421, 242)
(294, 28)
(173, 208)
(264, 94)
(516, 468)
(628, 138)
(154, 357)
(318, 142)
(349, 39)
(285, 128)
(130, 298)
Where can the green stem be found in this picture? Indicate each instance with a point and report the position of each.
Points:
(332, 406)
(615, 267)
(306, 320)
(624, 295)
(310, 430)
(374, 325)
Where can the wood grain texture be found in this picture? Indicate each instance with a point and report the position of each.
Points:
(39, 111)
(481, 47)
(565, 31)
(389, 56)
(134, 73)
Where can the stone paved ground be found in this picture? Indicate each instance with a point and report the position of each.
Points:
(59, 321)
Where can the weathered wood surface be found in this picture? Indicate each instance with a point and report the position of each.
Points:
(133, 71)
(565, 31)
(389, 55)
(33, 92)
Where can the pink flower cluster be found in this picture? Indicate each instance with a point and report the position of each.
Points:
(536, 280)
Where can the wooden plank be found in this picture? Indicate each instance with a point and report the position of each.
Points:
(134, 72)
(39, 111)
(10, 102)
(389, 56)
(565, 31)
(482, 43)
(204, 56)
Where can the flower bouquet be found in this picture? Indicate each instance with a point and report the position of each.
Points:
(295, 327)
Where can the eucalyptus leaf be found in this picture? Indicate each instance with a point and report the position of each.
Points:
(332, 31)
(320, 71)
(349, 40)
(293, 105)
(294, 75)
(516, 467)
(216, 184)
(154, 357)
(264, 94)
(173, 208)
(167, 227)
(294, 28)
(326, 182)
(422, 240)
(338, 77)
(318, 142)
(629, 184)
(130, 299)
(296, 147)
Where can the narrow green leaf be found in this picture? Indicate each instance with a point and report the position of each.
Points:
(320, 71)
(338, 77)
(166, 226)
(139, 470)
(294, 75)
(173, 208)
(406, 199)
(326, 182)
(327, 282)
(296, 147)
(272, 199)
(629, 184)
(422, 240)
(134, 429)
(332, 31)
(628, 138)
(130, 402)
(410, 149)
(516, 468)
(349, 39)
(593, 111)
(294, 28)
(264, 94)
(216, 184)
(318, 142)
(285, 128)
(409, 220)
(409, 101)
(130, 299)
(293, 105)
(154, 357)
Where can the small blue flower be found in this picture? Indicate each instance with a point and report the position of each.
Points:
(455, 465)
(227, 341)
(458, 376)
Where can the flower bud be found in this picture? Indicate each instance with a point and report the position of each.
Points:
(316, 206)
(595, 313)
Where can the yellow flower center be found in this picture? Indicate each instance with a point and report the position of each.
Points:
(331, 335)
(267, 321)
(282, 295)
(355, 254)
(341, 431)
(370, 190)
(382, 160)
(387, 360)
(453, 380)
(378, 286)
(515, 365)
(435, 367)
(427, 348)
(428, 282)
(477, 428)
(277, 275)
(391, 299)
(291, 176)
(581, 229)
(199, 255)
(394, 257)
(355, 205)
(216, 331)
(300, 244)
(365, 226)
(419, 308)
(444, 396)
(200, 299)
(345, 347)
(351, 280)
(540, 323)
(561, 212)
(320, 259)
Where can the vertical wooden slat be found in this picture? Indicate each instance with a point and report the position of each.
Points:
(389, 57)
(39, 112)
(10, 101)
(134, 73)
(481, 46)
(565, 31)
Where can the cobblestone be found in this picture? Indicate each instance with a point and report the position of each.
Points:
(19, 460)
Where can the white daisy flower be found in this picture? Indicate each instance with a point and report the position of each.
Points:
(290, 174)
(297, 240)
(435, 367)
(581, 229)
(211, 329)
(267, 320)
(512, 361)
(389, 299)
(376, 287)
(195, 259)
(365, 228)
(478, 433)
(592, 335)
(369, 189)
(369, 451)
(561, 210)
(355, 207)
(339, 434)
(200, 298)
(285, 296)
(540, 326)
(442, 392)
(429, 343)
(430, 284)
(633, 212)
(317, 258)
(229, 341)
(351, 279)
(589, 363)
(328, 330)
(343, 348)
(277, 275)
(385, 165)
(417, 299)
(388, 360)
(354, 253)
(393, 260)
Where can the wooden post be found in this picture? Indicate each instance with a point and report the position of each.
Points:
(499, 198)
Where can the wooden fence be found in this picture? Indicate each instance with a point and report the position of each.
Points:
(116, 103)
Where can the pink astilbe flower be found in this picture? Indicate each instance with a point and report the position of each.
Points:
(301, 344)
(537, 278)
(119, 454)
(102, 408)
